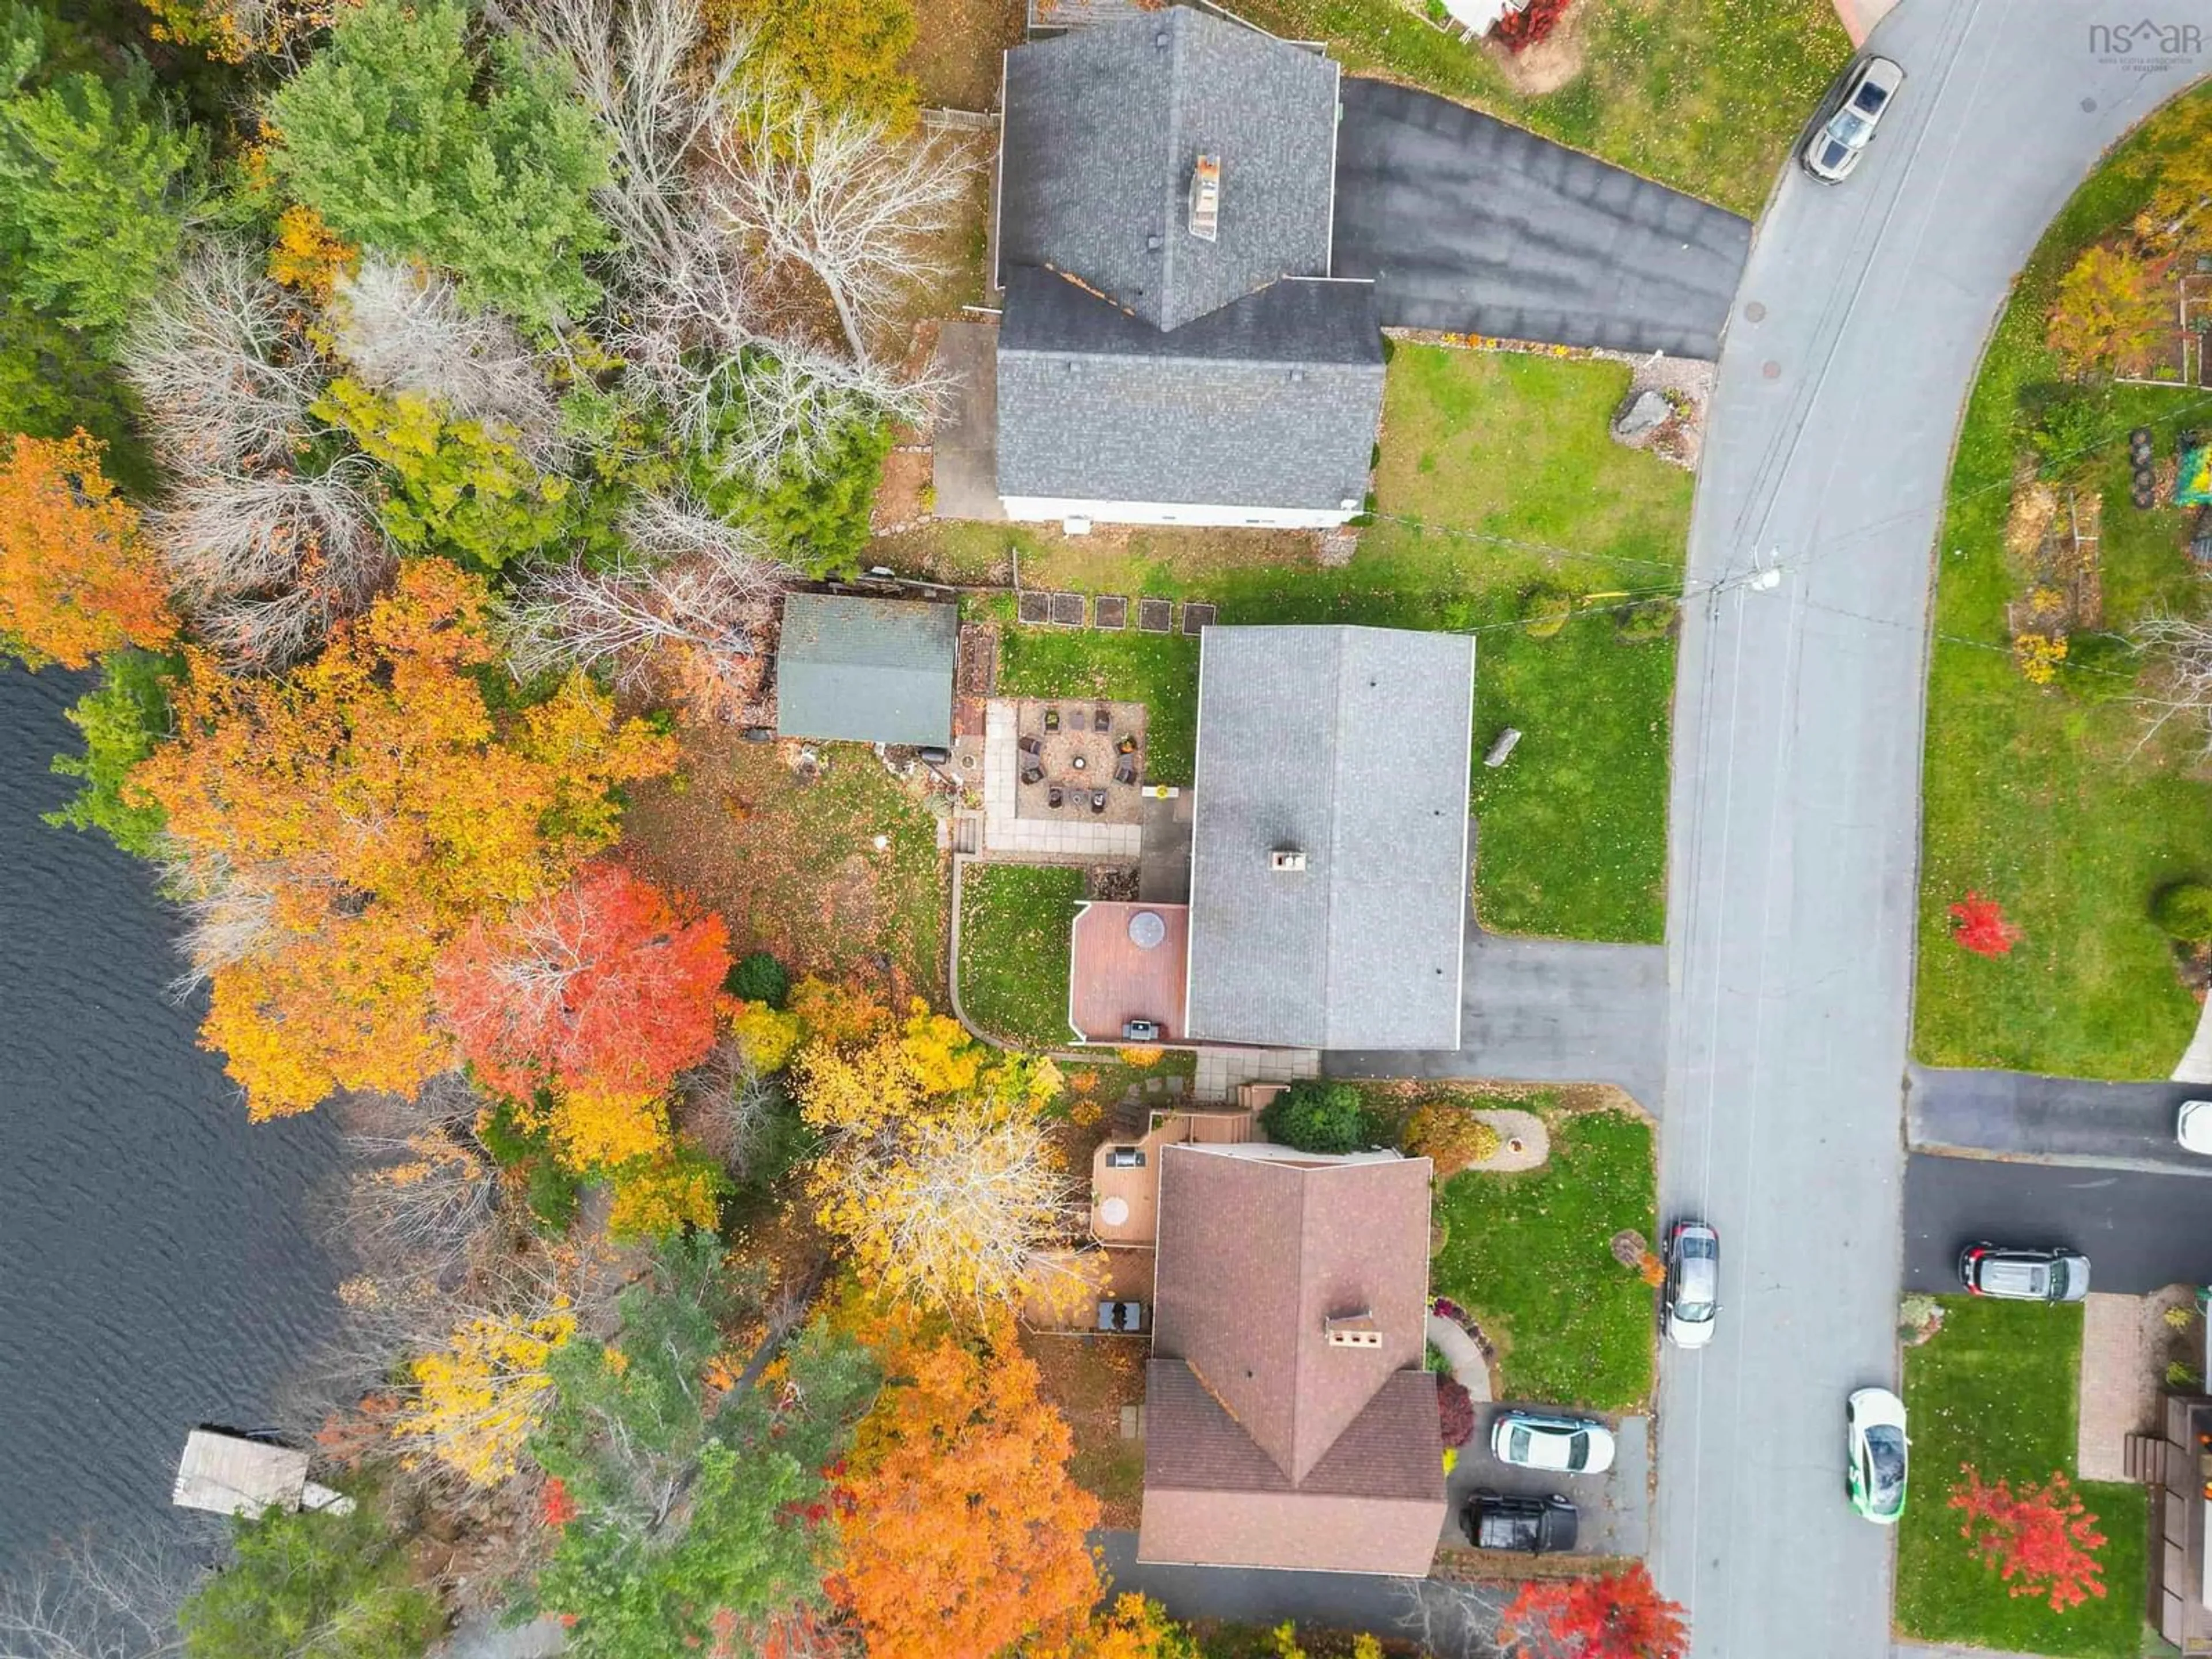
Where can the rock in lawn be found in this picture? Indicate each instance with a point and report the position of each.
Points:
(1647, 411)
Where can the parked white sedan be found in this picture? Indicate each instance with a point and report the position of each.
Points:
(1572, 1445)
(2193, 1126)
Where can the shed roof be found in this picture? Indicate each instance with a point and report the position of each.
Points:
(1349, 745)
(1103, 128)
(867, 670)
(1266, 1444)
(1271, 402)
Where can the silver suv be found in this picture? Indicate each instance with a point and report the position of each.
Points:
(2024, 1275)
(1836, 146)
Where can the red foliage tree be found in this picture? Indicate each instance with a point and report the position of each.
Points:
(1519, 30)
(1979, 925)
(608, 987)
(555, 1507)
(1619, 1616)
(2040, 1539)
(1455, 1411)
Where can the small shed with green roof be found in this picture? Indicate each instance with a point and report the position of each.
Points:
(866, 670)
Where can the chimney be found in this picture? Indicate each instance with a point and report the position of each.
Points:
(1205, 197)
(1286, 859)
(1357, 1330)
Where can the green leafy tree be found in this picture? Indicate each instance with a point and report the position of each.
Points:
(2184, 911)
(122, 719)
(817, 517)
(385, 134)
(331, 1585)
(95, 181)
(693, 1499)
(1320, 1117)
(849, 53)
(458, 486)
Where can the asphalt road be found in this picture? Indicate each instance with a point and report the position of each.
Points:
(1546, 1010)
(1468, 224)
(2057, 1119)
(1795, 803)
(2140, 1230)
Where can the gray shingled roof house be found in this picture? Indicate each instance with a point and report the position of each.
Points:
(867, 670)
(1329, 856)
(1288, 1420)
(1173, 348)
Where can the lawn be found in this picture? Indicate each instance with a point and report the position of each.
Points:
(1530, 1256)
(793, 865)
(1497, 474)
(1995, 1388)
(1706, 96)
(1013, 949)
(2045, 799)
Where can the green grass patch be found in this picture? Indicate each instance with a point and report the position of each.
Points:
(2047, 798)
(1995, 1388)
(1530, 1256)
(1014, 952)
(1706, 95)
(1497, 474)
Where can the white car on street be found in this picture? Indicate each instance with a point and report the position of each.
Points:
(1834, 150)
(1570, 1445)
(1691, 1297)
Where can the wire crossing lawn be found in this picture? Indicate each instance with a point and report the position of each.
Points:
(1530, 1256)
(1014, 952)
(2040, 797)
(1995, 1389)
(1706, 96)
(1475, 446)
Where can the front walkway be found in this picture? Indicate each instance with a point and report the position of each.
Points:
(1220, 1071)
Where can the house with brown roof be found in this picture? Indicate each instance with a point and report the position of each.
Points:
(1289, 1422)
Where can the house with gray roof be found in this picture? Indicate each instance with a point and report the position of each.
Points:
(866, 670)
(1174, 348)
(1329, 838)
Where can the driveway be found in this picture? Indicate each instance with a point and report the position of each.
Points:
(2057, 1119)
(1470, 225)
(1612, 1511)
(1795, 821)
(2141, 1231)
(1546, 1010)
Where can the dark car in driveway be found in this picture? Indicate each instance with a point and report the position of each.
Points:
(2024, 1275)
(1512, 1521)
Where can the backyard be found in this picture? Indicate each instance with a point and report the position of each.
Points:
(2047, 798)
(1497, 479)
(1571, 1325)
(1014, 951)
(1995, 1388)
(790, 857)
(1706, 95)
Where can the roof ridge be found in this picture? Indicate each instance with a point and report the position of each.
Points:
(1335, 838)
(1171, 136)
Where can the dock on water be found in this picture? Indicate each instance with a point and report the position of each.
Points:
(231, 1474)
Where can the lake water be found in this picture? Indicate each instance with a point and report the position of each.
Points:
(155, 1270)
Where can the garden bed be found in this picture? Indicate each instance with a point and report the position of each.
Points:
(1528, 1255)
(1995, 1388)
(1014, 951)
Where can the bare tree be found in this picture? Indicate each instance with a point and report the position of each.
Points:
(218, 362)
(421, 1195)
(729, 1109)
(403, 330)
(2180, 649)
(228, 913)
(269, 560)
(1451, 1621)
(118, 1602)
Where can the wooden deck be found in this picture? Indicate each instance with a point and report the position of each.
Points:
(1139, 1189)
(1115, 980)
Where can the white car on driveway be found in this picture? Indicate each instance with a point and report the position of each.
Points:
(2193, 1126)
(1569, 1445)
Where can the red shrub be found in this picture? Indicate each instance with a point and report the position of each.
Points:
(1979, 925)
(2039, 1536)
(1454, 1412)
(1519, 30)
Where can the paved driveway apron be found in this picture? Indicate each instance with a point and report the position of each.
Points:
(1472, 225)
(2141, 1231)
(2053, 1120)
(1793, 832)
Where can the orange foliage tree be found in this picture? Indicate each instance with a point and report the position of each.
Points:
(335, 828)
(2042, 1539)
(1620, 1615)
(78, 577)
(599, 995)
(975, 1538)
(1134, 1627)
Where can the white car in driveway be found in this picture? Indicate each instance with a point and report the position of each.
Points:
(2193, 1126)
(1835, 147)
(1569, 1445)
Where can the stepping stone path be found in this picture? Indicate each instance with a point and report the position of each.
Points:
(1032, 607)
(1197, 617)
(1067, 609)
(1155, 615)
(1110, 611)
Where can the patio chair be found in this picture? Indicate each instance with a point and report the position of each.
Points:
(1030, 745)
(1102, 718)
(1032, 775)
(1055, 798)
(1052, 719)
(1098, 801)
(1126, 770)
(1075, 719)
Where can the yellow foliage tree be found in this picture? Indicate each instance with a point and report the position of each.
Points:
(767, 1037)
(2110, 312)
(476, 1401)
(1134, 1627)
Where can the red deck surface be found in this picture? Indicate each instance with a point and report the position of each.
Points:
(1114, 981)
